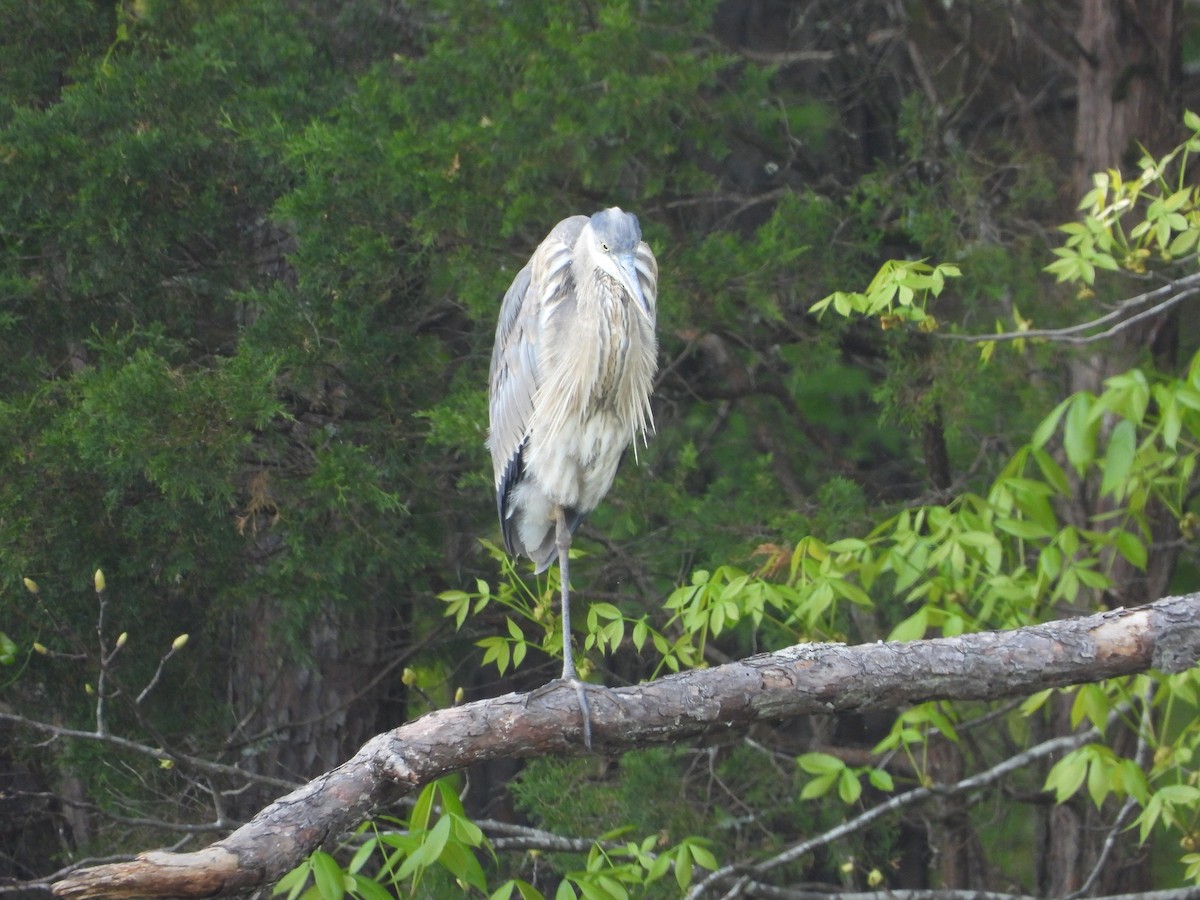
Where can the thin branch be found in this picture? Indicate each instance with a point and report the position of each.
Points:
(105, 662)
(158, 753)
(153, 683)
(786, 57)
(1175, 291)
(899, 802)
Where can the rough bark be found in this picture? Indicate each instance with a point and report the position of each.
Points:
(1129, 76)
(805, 679)
(1128, 81)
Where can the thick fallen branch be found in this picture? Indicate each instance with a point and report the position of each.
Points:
(805, 679)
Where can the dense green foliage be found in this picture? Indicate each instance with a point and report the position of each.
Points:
(251, 256)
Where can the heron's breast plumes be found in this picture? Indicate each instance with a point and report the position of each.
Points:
(594, 398)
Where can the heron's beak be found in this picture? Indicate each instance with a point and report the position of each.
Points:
(627, 268)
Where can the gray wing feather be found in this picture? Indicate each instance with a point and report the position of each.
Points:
(514, 376)
(647, 270)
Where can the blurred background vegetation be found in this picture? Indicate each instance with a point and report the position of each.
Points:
(251, 256)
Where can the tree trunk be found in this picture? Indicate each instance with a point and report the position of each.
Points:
(1129, 77)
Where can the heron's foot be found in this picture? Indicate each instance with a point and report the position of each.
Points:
(584, 709)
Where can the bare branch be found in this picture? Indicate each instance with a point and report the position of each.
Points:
(195, 762)
(899, 802)
(805, 679)
(1174, 291)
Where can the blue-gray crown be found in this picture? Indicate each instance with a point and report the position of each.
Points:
(618, 229)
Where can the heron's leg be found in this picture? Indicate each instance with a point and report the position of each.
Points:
(562, 540)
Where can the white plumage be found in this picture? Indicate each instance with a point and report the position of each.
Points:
(572, 370)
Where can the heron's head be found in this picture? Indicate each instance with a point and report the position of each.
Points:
(612, 246)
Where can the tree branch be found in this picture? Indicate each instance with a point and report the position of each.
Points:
(800, 680)
(896, 803)
(1175, 292)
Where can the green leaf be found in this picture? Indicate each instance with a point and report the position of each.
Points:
(1179, 794)
(659, 867)
(496, 649)
(328, 875)
(370, 889)
(881, 780)
(1130, 546)
(362, 854)
(8, 650)
(604, 611)
(527, 890)
(448, 799)
(820, 763)
(1022, 528)
(1079, 433)
(427, 853)
(683, 868)
(913, 628)
(640, 630)
(1184, 242)
(460, 862)
(423, 808)
(1099, 782)
(294, 881)
(849, 787)
(1049, 425)
(942, 723)
(1051, 471)
(702, 856)
(852, 592)
(818, 787)
(1118, 458)
(1090, 702)
(1172, 422)
(848, 545)
(1050, 562)
(1066, 776)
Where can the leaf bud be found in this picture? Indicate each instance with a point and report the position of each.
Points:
(98, 579)
(179, 642)
(40, 648)
(874, 878)
(122, 638)
(408, 677)
(31, 585)
(89, 690)
(459, 696)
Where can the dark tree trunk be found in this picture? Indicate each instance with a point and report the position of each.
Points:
(1129, 81)
(1129, 77)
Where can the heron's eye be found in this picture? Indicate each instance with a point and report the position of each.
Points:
(604, 246)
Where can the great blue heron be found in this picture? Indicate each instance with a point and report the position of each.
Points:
(572, 369)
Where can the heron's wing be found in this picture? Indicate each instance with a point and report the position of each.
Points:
(647, 272)
(514, 377)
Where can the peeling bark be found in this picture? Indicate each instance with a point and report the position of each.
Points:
(800, 680)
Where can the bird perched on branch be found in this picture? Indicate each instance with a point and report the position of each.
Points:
(572, 370)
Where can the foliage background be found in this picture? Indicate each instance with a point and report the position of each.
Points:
(251, 256)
